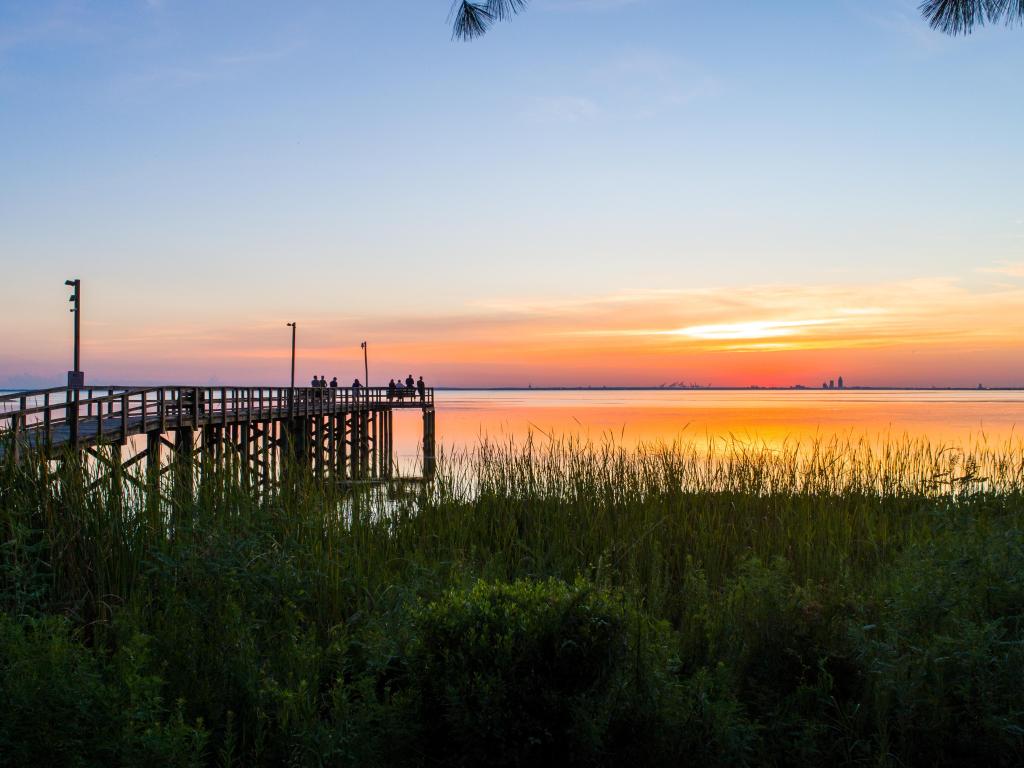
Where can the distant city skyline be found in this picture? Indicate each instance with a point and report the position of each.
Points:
(616, 193)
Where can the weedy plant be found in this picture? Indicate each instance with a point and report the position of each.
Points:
(846, 601)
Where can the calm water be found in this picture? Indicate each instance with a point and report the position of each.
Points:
(751, 416)
(761, 417)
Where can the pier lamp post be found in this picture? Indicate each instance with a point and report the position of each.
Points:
(366, 367)
(291, 392)
(76, 379)
(293, 327)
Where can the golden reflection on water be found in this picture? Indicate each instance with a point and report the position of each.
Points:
(758, 417)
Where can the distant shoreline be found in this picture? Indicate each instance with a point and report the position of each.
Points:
(727, 389)
(610, 388)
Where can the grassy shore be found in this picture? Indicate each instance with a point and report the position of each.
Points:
(555, 603)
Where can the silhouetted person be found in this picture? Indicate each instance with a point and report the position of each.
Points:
(314, 383)
(421, 388)
(334, 382)
(391, 390)
(323, 382)
(410, 382)
(356, 384)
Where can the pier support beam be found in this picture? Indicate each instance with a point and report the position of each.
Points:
(153, 462)
(184, 446)
(429, 456)
(385, 449)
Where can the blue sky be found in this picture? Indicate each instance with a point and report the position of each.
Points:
(210, 168)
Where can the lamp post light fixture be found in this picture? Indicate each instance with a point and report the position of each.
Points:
(366, 367)
(76, 378)
(293, 326)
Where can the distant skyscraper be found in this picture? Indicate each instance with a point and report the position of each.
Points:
(831, 383)
(840, 382)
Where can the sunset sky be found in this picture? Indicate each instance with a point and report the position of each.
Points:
(599, 192)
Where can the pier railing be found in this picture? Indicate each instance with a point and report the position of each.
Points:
(58, 416)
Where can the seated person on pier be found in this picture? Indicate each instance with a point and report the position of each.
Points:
(334, 382)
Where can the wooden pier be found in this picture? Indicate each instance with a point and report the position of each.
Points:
(341, 434)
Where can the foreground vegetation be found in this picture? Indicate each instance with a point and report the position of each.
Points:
(558, 604)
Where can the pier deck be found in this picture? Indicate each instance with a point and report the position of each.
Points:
(341, 431)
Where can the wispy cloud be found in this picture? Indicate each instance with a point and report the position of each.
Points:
(924, 311)
(209, 69)
(64, 23)
(756, 332)
(648, 82)
(1008, 268)
(562, 109)
(638, 84)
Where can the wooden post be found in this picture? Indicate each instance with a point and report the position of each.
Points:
(294, 448)
(184, 445)
(17, 427)
(389, 453)
(318, 445)
(332, 448)
(231, 450)
(161, 407)
(125, 411)
(47, 421)
(374, 444)
(247, 452)
(72, 417)
(116, 488)
(342, 437)
(153, 446)
(429, 459)
(273, 446)
(364, 444)
(265, 451)
(356, 442)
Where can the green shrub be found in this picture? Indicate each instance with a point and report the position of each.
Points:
(546, 672)
(515, 673)
(867, 609)
(63, 704)
(228, 608)
(943, 653)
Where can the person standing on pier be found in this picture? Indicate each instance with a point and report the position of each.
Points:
(356, 384)
(421, 388)
(410, 383)
(334, 382)
(391, 390)
(315, 382)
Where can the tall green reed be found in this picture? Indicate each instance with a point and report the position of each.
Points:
(644, 518)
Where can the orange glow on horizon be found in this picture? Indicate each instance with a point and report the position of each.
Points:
(937, 331)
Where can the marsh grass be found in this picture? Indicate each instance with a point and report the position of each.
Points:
(842, 600)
